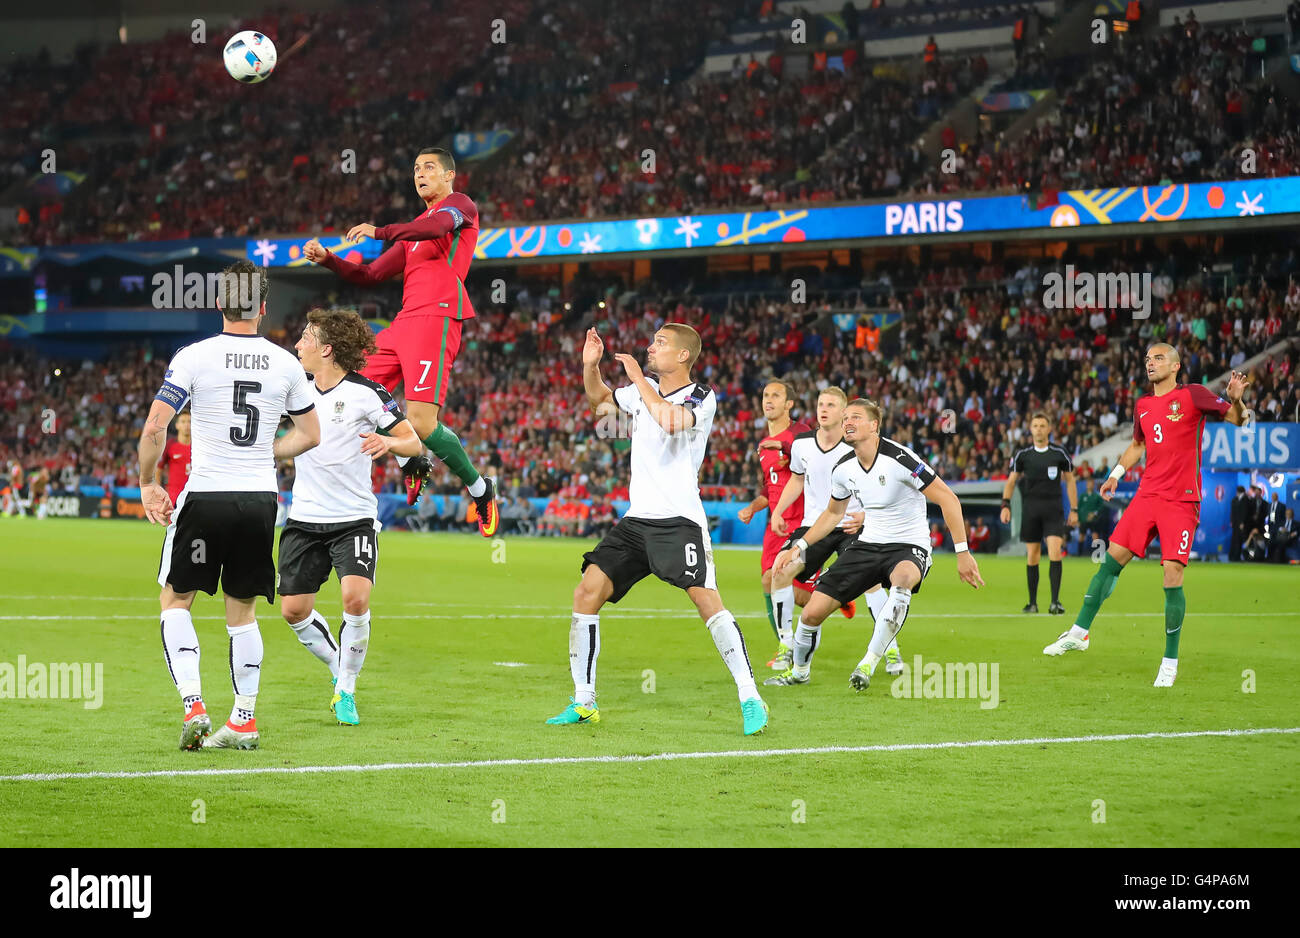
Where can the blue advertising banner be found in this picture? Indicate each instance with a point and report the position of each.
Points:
(468, 146)
(1071, 209)
(287, 252)
(1262, 446)
(17, 262)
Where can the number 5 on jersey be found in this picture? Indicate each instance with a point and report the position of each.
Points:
(247, 434)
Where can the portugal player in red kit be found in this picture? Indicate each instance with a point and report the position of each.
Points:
(176, 457)
(774, 462)
(433, 254)
(1167, 425)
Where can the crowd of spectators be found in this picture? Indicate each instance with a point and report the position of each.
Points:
(965, 355)
(1180, 106)
(611, 117)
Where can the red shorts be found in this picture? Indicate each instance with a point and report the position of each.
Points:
(771, 547)
(1147, 516)
(419, 353)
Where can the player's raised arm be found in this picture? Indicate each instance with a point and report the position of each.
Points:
(388, 264)
(456, 211)
(939, 493)
(599, 395)
(153, 440)
(1234, 392)
(672, 418)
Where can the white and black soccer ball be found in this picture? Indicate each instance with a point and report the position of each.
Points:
(249, 56)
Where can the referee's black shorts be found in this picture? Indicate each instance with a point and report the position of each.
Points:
(1041, 518)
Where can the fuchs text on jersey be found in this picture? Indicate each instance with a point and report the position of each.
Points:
(248, 362)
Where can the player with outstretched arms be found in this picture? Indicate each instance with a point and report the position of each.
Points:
(774, 465)
(1167, 426)
(432, 253)
(222, 528)
(812, 459)
(892, 550)
(665, 531)
(333, 519)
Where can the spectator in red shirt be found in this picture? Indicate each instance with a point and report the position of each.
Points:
(979, 534)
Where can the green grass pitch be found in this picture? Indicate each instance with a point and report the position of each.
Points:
(451, 611)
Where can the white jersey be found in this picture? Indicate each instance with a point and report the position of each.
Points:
(238, 386)
(332, 481)
(890, 493)
(808, 459)
(666, 468)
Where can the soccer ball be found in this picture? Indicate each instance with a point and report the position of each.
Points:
(249, 56)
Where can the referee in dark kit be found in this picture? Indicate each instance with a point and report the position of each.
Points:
(1040, 469)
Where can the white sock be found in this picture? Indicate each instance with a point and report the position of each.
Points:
(1076, 632)
(806, 639)
(889, 622)
(783, 611)
(877, 601)
(354, 639)
(314, 633)
(403, 460)
(181, 649)
(584, 649)
(1169, 663)
(245, 668)
(729, 641)
(478, 487)
(242, 711)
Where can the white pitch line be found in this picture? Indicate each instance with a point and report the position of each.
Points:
(659, 757)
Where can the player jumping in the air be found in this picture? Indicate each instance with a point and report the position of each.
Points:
(1040, 469)
(812, 459)
(1167, 425)
(774, 464)
(223, 527)
(433, 254)
(333, 518)
(665, 531)
(892, 550)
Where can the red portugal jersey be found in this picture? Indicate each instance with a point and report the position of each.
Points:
(1170, 425)
(176, 457)
(775, 464)
(433, 253)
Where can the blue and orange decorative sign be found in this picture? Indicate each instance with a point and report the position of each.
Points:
(1246, 198)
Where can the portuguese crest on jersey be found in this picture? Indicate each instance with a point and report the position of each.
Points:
(1175, 412)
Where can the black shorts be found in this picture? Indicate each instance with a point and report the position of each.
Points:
(308, 551)
(221, 536)
(676, 550)
(863, 566)
(815, 557)
(1040, 519)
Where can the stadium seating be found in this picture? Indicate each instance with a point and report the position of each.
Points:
(167, 134)
(969, 343)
